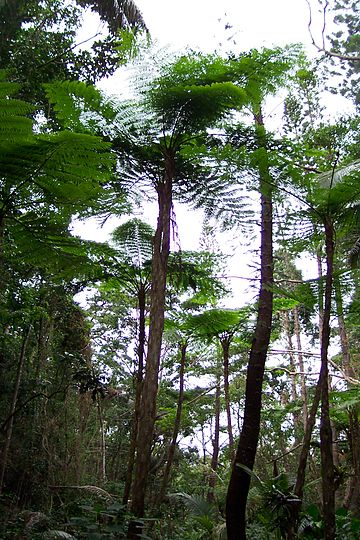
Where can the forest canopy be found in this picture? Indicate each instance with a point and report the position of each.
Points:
(141, 395)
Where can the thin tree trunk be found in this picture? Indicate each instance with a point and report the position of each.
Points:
(321, 295)
(225, 343)
(102, 440)
(293, 370)
(327, 463)
(216, 441)
(301, 365)
(177, 423)
(246, 452)
(138, 392)
(352, 498)
(352, 494)
(156, 327)
(9, 430)
(321, 393)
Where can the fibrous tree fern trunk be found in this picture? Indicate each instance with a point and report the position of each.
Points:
(156, 327)
(240, 479)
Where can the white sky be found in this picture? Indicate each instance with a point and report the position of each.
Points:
(201, 23)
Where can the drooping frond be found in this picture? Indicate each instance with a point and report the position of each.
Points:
(331, 178)
(194, 271)
(216, 322)
(14, 123)
(117, 13)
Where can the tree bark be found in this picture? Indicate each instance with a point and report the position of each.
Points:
(225, 343)
(138, 392)
(156, 327)
(246, 452)
(326, 451)
(216, 440)
(177, 423)
(301, 365)
(293, 370)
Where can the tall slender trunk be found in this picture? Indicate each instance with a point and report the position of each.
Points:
(246, 452)
(321, 394)
(9, 429)
(138, 392)
(327, 463)
(102, 439)
(177, 423)
(320, 295)
(2, 237)
(156, 327)
(293, 370)
(301, 365)
(352, 495)
(216, 441)
(225, 343)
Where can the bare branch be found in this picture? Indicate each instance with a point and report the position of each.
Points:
(323, 49)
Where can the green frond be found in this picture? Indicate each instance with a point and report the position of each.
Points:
(135, 239)
(196, 107)
(79, 106)
(14, 123)
(198, 506)
(67, 167)
(214, 322)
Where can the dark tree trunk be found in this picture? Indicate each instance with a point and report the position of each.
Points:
(156, 327)
(352, 499)
(138, 392)
(246, 452)
(327, 463)
(177, 423)
(216, 440)
(321, 394)
(225, 343)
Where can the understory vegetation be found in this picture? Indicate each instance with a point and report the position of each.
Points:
(134, 402)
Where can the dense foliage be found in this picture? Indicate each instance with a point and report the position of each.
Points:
(134, 402)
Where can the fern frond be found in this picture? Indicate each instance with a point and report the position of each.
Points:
(135, 239)
(92, 490)
(198, 506)
(57, 535)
